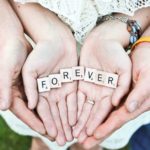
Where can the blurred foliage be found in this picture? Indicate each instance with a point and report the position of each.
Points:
(10, 140)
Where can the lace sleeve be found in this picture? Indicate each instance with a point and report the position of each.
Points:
(82, 15)
(123, 6)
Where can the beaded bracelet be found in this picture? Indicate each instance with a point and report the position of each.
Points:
(133, 27)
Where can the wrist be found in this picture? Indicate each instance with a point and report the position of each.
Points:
(112, 30)
(116, 29)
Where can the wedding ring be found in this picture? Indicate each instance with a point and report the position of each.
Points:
(91, 102)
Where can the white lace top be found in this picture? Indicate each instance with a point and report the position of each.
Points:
(82, 15)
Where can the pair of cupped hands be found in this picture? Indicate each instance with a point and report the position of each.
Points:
(64, 114)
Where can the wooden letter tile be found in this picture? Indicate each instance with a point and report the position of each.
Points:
(43, 84)
(111, 80)
(66, 75)
(55, 80)
(78, 73)
(90, 75)
(100, 77)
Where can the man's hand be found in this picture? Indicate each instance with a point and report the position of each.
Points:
(13, 52)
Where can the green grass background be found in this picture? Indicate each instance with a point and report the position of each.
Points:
(11, 141)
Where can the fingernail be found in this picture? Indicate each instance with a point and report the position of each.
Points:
(75, 133)
(97, 135)
(89, 132)
(30, 106)
(89, 145)
(4, 106)
(41, 130)
(132, 106)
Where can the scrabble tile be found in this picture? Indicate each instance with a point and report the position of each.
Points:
(78, 73)
(55, 80)
(90, 75)
(100, 77)
(111, 80)
(66, 75)
(43, 84)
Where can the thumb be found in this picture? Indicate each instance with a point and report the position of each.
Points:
(138, 95)
(30, 86)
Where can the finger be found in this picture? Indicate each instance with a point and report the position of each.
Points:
(5, 90)
(81, 101)
(122, 88)
(64, 119)
(27, 116)
(72, 108)
(44, 112)
(60, 139)
(82, 137)
(137, 96)
(114, 122)
(98, 115)
(83, 119)
(90, 143)
(30, 85)
(50, 138)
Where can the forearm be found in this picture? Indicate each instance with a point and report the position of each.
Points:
(36, 18)
(117, 30)
(10, 25)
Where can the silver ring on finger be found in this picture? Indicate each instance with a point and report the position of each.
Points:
(90, 102)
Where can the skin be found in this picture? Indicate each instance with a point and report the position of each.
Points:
(140, 94)
(140, 76)
(19, 108)
(14, 49)
(57, 108)
(32, 70)
(103, 57)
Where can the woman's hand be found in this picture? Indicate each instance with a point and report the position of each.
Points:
(106, 55)
(138, 100)
(104, 50)
(55, 49)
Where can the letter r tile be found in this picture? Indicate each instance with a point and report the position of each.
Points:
(66, 75)
(111, 80)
